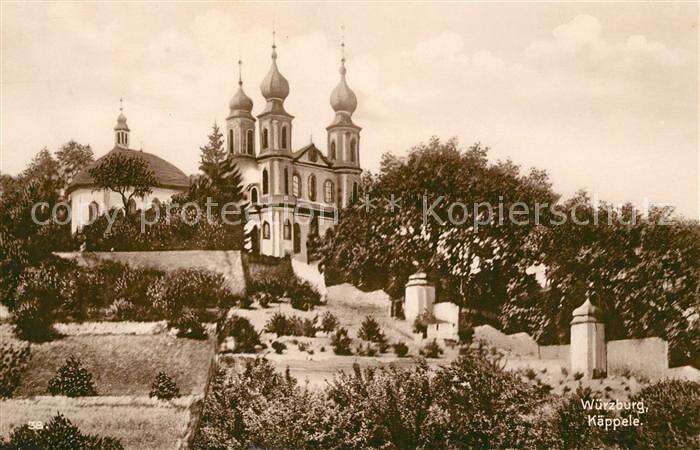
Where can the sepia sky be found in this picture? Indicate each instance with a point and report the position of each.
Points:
(603, 96)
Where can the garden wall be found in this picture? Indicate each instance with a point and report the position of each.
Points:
(226, 262)
(648, 356)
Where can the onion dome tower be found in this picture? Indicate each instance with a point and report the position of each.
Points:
(121, 130)
(343, 134)
(275, 122)
(240, 124)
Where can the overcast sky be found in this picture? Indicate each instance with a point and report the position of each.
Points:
(602, 96)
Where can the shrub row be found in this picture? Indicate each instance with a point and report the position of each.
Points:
(302, 296)
(60, 290)
(472, 403)
(59, 433)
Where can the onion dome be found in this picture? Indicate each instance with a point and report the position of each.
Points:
(342, 97)
(121, 123)
(240, 101)
(274, 85)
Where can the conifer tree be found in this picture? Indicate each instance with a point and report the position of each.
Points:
(213, 153)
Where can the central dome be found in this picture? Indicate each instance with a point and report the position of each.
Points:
(274, 85)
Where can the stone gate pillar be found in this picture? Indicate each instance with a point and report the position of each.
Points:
(588, 349)
(420, 296)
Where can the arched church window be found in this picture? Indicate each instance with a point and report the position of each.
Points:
(284, 137)
(266, 230)
(230, 141)
(328, 191)
(250, 142)
(353, 144)
(254, 195)
(312, 188)
(296, 185)
(265, 182)
(93, 211)
(286, 181)
(287, 230)
(265, 138)
(355, 192)
(332, 153)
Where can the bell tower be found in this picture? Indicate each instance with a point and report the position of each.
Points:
(275, 122)
(240, 124)
(121, 130)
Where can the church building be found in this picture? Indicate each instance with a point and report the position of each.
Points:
(290, 195)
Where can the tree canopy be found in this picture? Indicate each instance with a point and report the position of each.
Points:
(643, 274)
(129, 176)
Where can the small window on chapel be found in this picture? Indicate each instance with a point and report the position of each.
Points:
(328, 191)
(284, 137)
(266, 230)
(230, 141)
(296, 185)
(332, 154)
(287, 230)
(312, 188)
(250, 142)
(286, 181)
(353, 146)
(264, 138)
(265, 182)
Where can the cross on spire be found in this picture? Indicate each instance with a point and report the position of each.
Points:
(121, 104)
(342, 42)
(240, 66)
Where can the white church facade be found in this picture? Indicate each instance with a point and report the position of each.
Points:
(289, 195)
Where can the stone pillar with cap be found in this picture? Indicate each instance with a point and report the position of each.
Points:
(419, 297)
(588, 348)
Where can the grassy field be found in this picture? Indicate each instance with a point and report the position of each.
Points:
(120, 364)
(138, 422)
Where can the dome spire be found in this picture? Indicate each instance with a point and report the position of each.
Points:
(121, 130)
(240, 103)
(274, 86)
(343, 99)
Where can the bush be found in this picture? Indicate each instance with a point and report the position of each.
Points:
(341, 342)
(279, 347)
(243, 333)
(420, 324)
(672, 419)
(38, 297)
(188, 324)
(277, 324)
(58, 434)
(164, 388)
(72, 380)
(309, 327)
(400, 349)
(264, 299)
(194, 288)
(329, 322)
(370, 331)
(431, 350)
(14, 361)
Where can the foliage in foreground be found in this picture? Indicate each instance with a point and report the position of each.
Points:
(13, 361)
(472, 403)
(58, 434)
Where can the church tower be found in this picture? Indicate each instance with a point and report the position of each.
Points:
(275, 122)
(344, 137)
(240, 124)
(121, 130)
